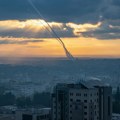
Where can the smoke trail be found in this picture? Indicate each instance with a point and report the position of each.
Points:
(69, 56)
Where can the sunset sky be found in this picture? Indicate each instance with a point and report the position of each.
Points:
(89, 28)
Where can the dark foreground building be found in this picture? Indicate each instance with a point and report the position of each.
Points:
(83, 101)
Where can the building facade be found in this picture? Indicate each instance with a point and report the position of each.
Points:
(81, 102)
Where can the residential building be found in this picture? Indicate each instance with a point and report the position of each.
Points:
(82, 101)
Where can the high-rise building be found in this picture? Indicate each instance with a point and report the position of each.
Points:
(82, 101)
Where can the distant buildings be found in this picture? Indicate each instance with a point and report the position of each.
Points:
(7, 117)
(115, 116)
(33, 114)
(7, 113)
(83, 101)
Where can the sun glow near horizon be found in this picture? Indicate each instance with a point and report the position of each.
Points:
(29, 38)
(51, 48)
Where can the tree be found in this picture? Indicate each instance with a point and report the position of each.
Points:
(7, 99)
(23, 102)
(41, 99)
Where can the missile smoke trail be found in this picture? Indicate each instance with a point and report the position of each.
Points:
(68, 54)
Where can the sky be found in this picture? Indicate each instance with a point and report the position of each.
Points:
(89, 28)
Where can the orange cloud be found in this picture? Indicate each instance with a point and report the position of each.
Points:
(33, 25)
(78, 28)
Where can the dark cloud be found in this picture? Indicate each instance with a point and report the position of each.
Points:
(77, 11)
(30, 34)
(26, 32)
(61, 10)
(23, 42)
(108, 30)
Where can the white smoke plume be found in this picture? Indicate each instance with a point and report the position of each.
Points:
(68, 54)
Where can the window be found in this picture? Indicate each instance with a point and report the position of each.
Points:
(95, 112)
(71, 100)
(78, 94)
(71, 94)
(78, 100)
(85, 101)
(70, 105)
(85, 107)
(85, 113)
(70, 111)
(95, 106)
(27, 117)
